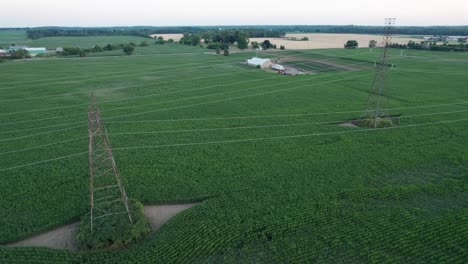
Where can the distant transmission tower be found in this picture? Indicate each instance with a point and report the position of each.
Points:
(377, 98)
(107, 194)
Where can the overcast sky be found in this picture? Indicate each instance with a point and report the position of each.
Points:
(32, 13)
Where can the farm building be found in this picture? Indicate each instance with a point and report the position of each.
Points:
(263, 63)
(278, 67)
(31, 51)
(3, 53)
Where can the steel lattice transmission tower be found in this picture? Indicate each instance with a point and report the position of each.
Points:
(107, 194)
(377, 99)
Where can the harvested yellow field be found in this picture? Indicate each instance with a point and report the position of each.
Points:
(175, 37)
(327, 41)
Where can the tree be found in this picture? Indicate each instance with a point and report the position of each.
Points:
(266, 44)
(305, 39)
(255, 45)
(159, 42)
(97, 48)
(226, 52)
(170, 40)
(19, 54)
(242, 43)
(214, 45)
(82, 53)
(372, 44)
(195, 41)
(282, 47)
(144, 43)
(462, 40)
(128, 49)
(108, 47)
(351, 44)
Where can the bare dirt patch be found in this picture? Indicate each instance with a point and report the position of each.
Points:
(64, 237)
(59, 238)
(347, 124)
(159, 214)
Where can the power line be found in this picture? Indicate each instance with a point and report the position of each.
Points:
(284, 83)
(271, 126)
(240, 140)
(238, 117)
(38, 134)
(113, 74)
(42, 146)
(156, 94)
(249, 127)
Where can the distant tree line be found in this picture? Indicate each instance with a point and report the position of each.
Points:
(81, 32)
(253, 31)
(222, 39)
(35, 33)
(77, 51)
(427, 45)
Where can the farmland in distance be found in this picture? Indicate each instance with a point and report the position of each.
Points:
(277, 180)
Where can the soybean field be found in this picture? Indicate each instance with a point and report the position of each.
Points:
(276, 177)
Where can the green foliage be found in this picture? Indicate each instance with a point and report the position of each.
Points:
(144, 43)
(267, 45)
(190, 39)
(128, 49)
(161, 41)
(282, 47)
(345, 195)
(214, 45)
(370, 122)
(97, 48)
(255, 45)
(116, 231)
(20, 54)
(170, 40)
(109, 47)
(305, 38)
(70, 51)
(226, 52)
(372, 44)
(351, 44)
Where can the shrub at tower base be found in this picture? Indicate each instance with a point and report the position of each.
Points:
(113, 231)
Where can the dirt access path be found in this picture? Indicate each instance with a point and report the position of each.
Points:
(64, 237)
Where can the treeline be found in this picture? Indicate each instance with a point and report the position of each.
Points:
(426, 45)
(405, 30)
(253, 31)
(35, 33)
(82, 32)
(221, 39)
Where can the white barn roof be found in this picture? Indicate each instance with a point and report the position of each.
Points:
(3, 51)
(257, 61)
(278, 67)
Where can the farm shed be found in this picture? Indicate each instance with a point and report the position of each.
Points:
(278, 67)
(3, 53)
(263, 63)
(31, 51)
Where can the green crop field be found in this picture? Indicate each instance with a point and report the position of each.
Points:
(8, 37)
(85, 42)
(277, 180)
